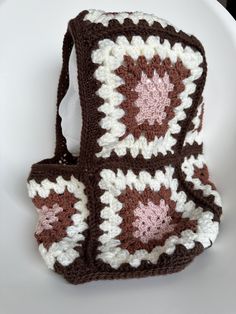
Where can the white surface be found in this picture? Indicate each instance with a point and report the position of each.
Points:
(31, 34)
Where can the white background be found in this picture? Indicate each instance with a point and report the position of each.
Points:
(31, 34)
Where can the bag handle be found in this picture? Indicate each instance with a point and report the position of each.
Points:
(62, 155)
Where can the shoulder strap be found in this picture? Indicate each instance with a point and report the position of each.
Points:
(62, 155)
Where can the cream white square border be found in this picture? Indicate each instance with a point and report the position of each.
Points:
(109, 56)
(64, 251)
(188, 169)
(114, 183)
(99, 16)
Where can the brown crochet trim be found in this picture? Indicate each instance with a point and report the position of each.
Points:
(167, 264)
(47, 169)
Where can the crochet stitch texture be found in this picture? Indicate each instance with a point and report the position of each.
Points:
(138, 200)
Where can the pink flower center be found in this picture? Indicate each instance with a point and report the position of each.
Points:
(152, 221)
(47, 216)
(153, 98)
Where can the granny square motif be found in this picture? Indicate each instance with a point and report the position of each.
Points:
(138, 200)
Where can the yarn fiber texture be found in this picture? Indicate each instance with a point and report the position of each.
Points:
(138, 200)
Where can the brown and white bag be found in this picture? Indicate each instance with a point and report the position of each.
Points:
(137, 200)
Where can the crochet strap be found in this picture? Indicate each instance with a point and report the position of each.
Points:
(61, 151)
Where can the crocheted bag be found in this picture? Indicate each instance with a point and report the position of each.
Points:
(137, 201)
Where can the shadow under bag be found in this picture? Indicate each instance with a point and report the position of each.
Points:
(138, 200)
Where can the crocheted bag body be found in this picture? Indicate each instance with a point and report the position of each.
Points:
(137, 201)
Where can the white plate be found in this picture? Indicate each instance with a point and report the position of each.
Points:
(31, 34)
